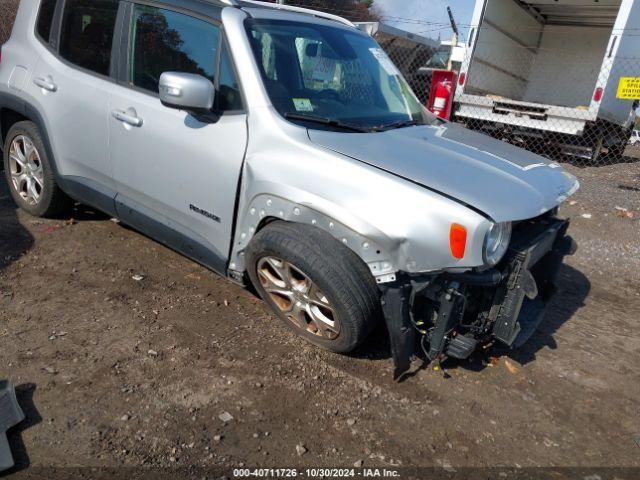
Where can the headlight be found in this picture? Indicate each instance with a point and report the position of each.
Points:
(497, 242)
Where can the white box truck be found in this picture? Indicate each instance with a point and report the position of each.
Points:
(546, 74)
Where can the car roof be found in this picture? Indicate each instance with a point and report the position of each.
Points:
(209, 8)
(273, 7)
(213, 8)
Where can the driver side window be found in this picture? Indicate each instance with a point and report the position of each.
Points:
(166, 41)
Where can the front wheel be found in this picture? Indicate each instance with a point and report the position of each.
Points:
(319, 288)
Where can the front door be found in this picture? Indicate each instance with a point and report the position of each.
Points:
(177, 176)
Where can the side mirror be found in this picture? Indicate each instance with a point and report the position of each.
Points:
(186, 91)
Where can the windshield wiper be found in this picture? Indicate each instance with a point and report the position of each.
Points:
(326, 121)
(400, 124)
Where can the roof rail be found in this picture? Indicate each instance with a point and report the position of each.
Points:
(231, 3)
(290, 8)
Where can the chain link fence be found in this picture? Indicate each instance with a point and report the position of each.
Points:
(567, 111)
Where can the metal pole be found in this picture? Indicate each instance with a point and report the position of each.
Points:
(454, 38)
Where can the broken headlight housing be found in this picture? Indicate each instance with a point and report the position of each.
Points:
(497, 242)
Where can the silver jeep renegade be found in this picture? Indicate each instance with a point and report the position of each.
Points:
(282, 147)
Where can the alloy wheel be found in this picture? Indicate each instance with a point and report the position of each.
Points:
(298, 297)
(25, 165)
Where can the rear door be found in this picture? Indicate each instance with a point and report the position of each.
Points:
(72, 82)
(177, 175)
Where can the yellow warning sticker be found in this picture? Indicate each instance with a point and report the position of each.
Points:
(629, 88)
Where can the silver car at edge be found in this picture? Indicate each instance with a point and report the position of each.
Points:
(281, 147)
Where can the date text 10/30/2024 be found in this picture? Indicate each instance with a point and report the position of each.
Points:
(315, 473)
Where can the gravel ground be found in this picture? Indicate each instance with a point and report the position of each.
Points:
(606, 210)
(127, 355)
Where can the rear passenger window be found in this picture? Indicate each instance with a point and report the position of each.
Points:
(45, 19)
(166, 41)
(87, 33)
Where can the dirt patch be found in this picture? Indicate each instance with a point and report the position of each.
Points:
(127, 354)
(606, 214)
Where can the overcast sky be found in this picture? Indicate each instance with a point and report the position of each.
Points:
(426, 17)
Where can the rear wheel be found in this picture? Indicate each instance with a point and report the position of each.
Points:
(319, 288)
(29, 174)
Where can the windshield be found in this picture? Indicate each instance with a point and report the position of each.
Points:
(333, 76)
(440, 59)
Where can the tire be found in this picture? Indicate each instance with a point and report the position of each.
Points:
(339, 286)
(45, 197)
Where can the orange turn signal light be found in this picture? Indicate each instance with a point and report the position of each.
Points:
(457, 240)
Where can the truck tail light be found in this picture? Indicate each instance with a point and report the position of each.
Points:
(597, 95)
(462, 78)
(457, 240)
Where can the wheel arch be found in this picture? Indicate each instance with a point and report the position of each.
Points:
(14, 109)
(8, 118)
(377, 254)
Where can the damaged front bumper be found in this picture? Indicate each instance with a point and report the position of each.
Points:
(449, 315)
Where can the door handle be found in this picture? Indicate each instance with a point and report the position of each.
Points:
(125, 117)
(46, 84)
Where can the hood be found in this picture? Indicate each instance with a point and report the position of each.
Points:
(505, 182)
